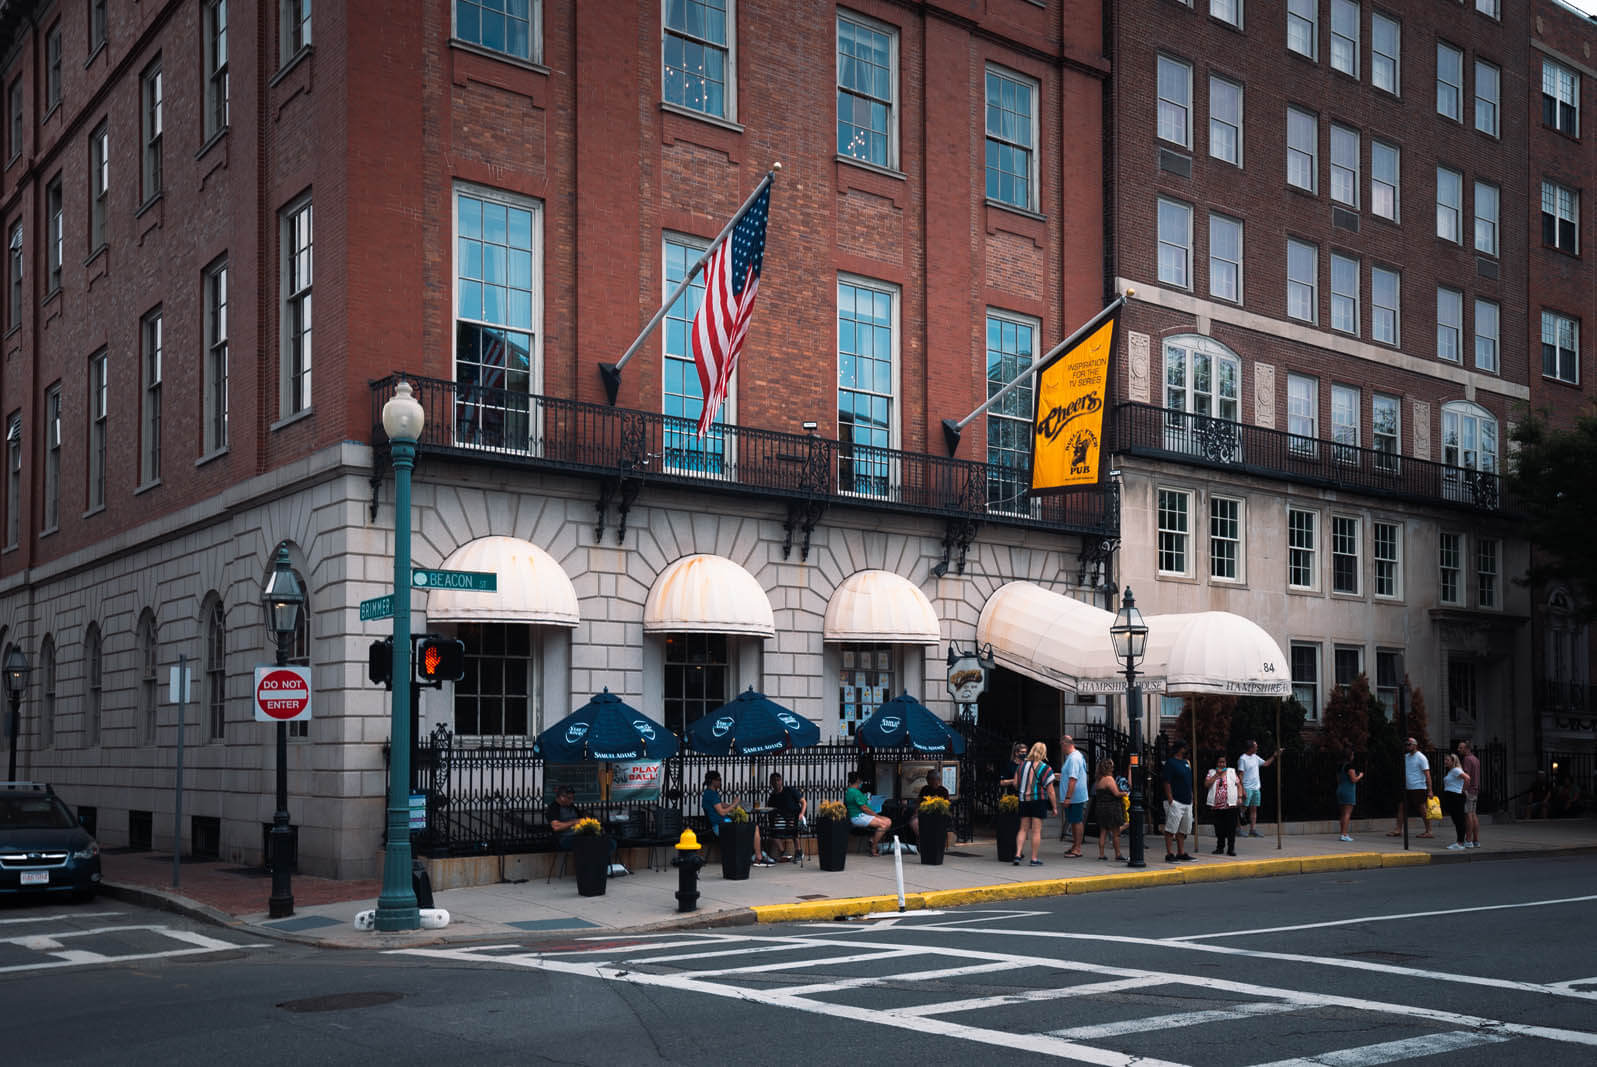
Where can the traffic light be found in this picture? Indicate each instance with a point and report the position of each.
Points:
(439, 659)
(380, 663)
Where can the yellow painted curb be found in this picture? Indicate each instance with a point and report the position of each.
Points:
(1405, 859)
(1128, 880)
(1352, 861)
(834, 909)
(953, 898)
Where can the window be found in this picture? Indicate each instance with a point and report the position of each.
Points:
(497, 697)
(1387, 538)
(1450, 559)
(1225, 258)
(94, 668)
(1302, 148)
(865, 669)
(1449, 205)
(216, 84)
(1488, 92)
(52, 67)
(1449, 82)
(1385, 431)
(99, 409)
(1175, 243)
(1345, 165)
(1302, 27)
(47, 691)
(149, 651)
(513, 27)
(700, 64)
(1560, 347)
(1487, 329)
(1492, 9)
(1347, 663)
(1302, 545)
(1486, 208)
(1449, 324)
(1560, 217)
(1345, 422)
(1388, 678)
(683, 397)
(1345, 555)
(300, 651)
(1203, 377)
(1344, 293)
(1225, 539)
(97, 25)
(150, 95)
(1302, 412)
(1011, 346)
(1175, 101)
(1385, 38)
(14, 278)
(1175, 507)
(99, 185)
(1306, 677)
(1225, 120)
(53, 234)
(216, 670)
(216, 368)
(14, 119)
(1012, 139)
(1385, 304)
(867, 105)
(1560, 98)
(295, 382)
(1384, 163)
(1227, 11)
(697, 675)
(1302, 279)
(1486, 552)
(52, 457)
(498, 309)
(13, 480)
(1469, 438)
(150, 408)
(1345, 36)
(294, 35)
(867, 372)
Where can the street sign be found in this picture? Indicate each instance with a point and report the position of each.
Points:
(180, 684)
(378, 607)
(282, 694)
(469, 581)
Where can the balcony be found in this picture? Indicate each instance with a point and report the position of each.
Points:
(1199, 440)
(1566, 696)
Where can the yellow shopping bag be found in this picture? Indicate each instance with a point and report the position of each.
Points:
(1433, 808)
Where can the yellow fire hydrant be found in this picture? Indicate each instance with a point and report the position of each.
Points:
(687, 862)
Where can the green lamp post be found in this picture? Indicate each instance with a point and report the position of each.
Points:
(1129, 635)
(283, 598)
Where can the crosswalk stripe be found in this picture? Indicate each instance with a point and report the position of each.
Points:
(907, 976)
(1392, 1051)
(1032, 996)
(1186, 1018)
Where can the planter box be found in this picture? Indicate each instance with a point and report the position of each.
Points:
(1006, 827)
(831, 842)
(933, 837)
(590, 855)
(737, 850)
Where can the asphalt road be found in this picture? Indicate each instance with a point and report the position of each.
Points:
(1487, 963)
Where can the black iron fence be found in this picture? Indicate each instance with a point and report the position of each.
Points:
(1570, 696)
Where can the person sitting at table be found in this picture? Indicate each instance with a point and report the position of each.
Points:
(788, 808)
(933, 788)
(718, 812)
(562, 814)
(861, 815)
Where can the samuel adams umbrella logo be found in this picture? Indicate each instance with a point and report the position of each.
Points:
(576, 732)
(891, 722)
(787, 719)
(644, 728)
(723, 726)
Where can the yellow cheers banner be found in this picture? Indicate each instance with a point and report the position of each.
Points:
(1067, 427)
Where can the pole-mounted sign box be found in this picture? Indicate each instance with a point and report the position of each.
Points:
(282, 694)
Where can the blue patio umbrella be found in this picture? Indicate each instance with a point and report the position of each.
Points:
(749, 725)
(906, 721)
(606, 728)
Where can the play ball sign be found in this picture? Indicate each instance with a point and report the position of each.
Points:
(282, 694)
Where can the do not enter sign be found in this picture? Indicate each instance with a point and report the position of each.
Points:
(282, 694)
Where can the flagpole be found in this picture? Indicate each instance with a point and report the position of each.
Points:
(611, 372)
(952, 429)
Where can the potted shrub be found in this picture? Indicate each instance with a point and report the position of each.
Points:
(831, 834)
(934, 816)
(590, 852)
(1006, 825)
(737, 845)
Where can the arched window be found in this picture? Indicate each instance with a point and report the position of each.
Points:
(1202, 385)
(47, 693)
(299, 653)
(1469, 446)
(94, 684)
(216, 669)
(148, 651)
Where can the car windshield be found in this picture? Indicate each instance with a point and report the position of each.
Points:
(34, 813)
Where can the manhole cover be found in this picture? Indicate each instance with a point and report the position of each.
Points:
(1383, 957)
(340, 1002)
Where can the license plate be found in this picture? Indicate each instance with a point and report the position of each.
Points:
(35, 877)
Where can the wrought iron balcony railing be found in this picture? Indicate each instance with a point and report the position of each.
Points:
(1571, 696)
(1163, 433)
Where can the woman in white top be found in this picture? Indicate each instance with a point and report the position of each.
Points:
(1453, 783)
(1225, 800)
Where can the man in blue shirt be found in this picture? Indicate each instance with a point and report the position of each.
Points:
(1074, 794)
(1177, 804)
(718, 812)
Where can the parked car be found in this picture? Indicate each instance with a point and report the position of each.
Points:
(42, 847)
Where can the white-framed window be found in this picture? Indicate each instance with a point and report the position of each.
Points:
(1449, 324)
(94, 685)
(1347, 663)
(1449, 81)
(1344, 293)
(1488, 330)
(682, 397)
(1175, 243)
(1228, 11)
(1560, 217)
(498, 314)
(1346, 559)
(1345, 422)
(1303, 547)
(1450, 560)
(99, 412)
(1302, 148)
(1011, 139)
(152, 127)
(1560, 347)
(1386, 37)
(1303, 27)
(499, 696)
(216, 361)
(1175, 101)
(867, 96)
(1385, 168)
(1487, 551)
(216, 670)
(1388, 679)
(54, 234)
(52, 67)
(1469, 437)
(52, 457)
(295, 237)
(1306, 676)
(1175, 532)
(1449, 204)
(1386, 540)
(14, 277)
(1225, 257)
(1345, 36)
(1488, 96)
(293, 36)
(300, 652)
(1225, 539)
(1225, 119)
(150, 377)
(513, 27)
(216, 77)
(1302, 280)
(1386, 304)
(1487, 205)
(867, 384)
(1011, 347)
(1386, 428)
(1203, 377)
(700, 42)
(865, 669)
(1345, 165)
(1303, 413)
(99, 185)
(13, 479)
(1560, 97)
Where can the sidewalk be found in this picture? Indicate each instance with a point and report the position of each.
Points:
(325, 909)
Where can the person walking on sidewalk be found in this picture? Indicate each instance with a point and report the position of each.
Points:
(1249, 763)
(1177, 804)
(1035, 782)
(1471, 766)
(1416, 790)
(1347, 790)
(1107, 810)
(1224, 799)
(1074, 774)
(1453, 784)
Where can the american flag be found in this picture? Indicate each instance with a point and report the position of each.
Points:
(730, 282)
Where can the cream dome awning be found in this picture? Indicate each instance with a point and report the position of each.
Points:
(707, 594)
(533, 588)
(1217, 652)
(1052, 638)
(881, 606)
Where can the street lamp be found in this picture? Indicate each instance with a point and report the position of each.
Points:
(403, 419)
(283, 599)
(16, 670)
(1130, 637)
